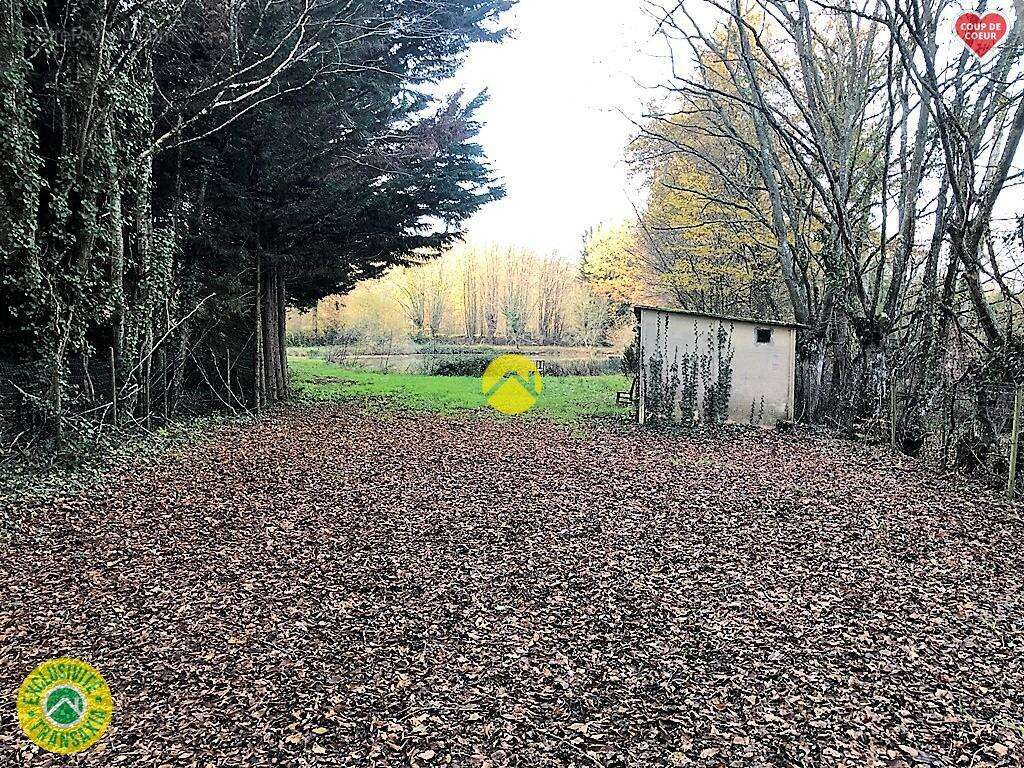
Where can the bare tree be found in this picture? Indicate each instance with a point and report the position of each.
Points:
(811, 100)
(438, 298)
(517, 294)
(553, 282)
(470, 295)
(414, 287)
(491, 291)
(591, 317)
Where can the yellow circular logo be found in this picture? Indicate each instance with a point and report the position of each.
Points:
(512, 384)
(64, 706)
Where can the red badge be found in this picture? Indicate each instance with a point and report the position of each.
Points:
(981, 33)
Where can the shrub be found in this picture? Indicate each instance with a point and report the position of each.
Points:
(444, 348)
(582, 367)
(716, 371)
(327, 337)
(462, 365)
(661, 379)
(475, 365)
(630, 361)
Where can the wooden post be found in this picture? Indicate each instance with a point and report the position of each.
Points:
(641, 397)
(113, 382)
(1011, 482)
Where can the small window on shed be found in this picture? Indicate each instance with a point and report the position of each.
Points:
(764, 335)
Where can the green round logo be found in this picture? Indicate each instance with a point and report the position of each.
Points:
(64, 706)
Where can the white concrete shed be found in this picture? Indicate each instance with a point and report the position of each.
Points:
(750, 365)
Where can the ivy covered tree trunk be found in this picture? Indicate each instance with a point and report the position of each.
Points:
(20, 179)
(78, 270)
(873, 383)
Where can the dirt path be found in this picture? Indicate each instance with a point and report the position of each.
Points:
(333, 588)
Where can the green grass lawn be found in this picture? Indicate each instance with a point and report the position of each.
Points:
(565, 398)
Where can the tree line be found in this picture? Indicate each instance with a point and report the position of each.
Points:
(175, 175)
(474, 294)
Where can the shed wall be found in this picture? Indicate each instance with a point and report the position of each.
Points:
(761, 372)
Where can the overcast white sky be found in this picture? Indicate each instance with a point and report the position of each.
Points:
(554, 127)
(553, 130)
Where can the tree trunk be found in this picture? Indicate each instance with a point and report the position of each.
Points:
(282, 332)
(259, 365)
(274, 370)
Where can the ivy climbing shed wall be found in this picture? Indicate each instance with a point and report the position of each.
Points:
(696, 367)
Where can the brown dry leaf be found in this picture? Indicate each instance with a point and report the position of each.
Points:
(388, 583)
